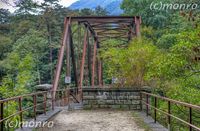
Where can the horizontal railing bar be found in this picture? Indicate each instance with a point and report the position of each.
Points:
(193, 126)
(24, 110)
(22, 96)
(174, 101)
(27, 95)
(17, 113)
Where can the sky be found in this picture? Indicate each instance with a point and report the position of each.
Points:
(65, 3)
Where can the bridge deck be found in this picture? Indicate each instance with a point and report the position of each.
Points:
(94, 120)
(102, 120)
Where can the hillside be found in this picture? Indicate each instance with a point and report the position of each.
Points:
(112, 6)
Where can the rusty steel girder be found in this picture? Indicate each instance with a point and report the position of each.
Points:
(98, 28)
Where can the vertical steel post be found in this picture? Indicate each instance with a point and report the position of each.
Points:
(94, 62)
(68, 97)
(147, 105)
(155, 110)
(63, 98)
(83, 60)
(45, 102)
(53, 99)
(60, 57)
(141, 101)
(137, 25)
(68, 43)
(100, 73)
(89, 61)
(73, 58)
(1, 115)
(190, 118)
(60, 98)
(97, 71)
(20, 110)
(35, 105)
(130, 33)
(169, 117)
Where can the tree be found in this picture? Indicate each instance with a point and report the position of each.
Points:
(50, 21)
(16, 85)
(50, 3)
(154, 18)
(86, 12)
(5, 46)
(26, 6)
(99, 11)
(129, 65)
(4, 16)
(33, 42)
(180, 65)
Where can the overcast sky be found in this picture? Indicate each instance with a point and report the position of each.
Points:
(65, 3)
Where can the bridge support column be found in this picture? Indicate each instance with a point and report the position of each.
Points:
(137, 26)
(93, 63)
(73, 57)
(60, 57)
(83, 61)
(100, 73)
(89, 60)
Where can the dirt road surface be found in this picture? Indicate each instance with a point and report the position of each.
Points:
(93, 120)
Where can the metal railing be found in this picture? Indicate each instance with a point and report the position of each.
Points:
(61, 95)
(155, 98)
(64, 95)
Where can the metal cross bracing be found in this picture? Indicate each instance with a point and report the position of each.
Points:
(99, 29)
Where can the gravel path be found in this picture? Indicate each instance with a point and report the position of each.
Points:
(94, 120)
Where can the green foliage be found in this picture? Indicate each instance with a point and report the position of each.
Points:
(86, 12)
(130, 64)
(26, 6)
(10, 88)
(22, 28)
(179, 61)
(5, 46)
(167, 41)
(99, 11)
(4, 15)
(166, 57)
(154, 18)
(24, 64)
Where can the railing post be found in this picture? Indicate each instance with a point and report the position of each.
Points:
(34, 103)
(169, 117)
(60, 98)
(155, 110)
(52, 99)
(147, 105)
(141, 101)
(45, 102)
(1, 116)
(20, 109)
(63, 97)
(68, 97)
(190, 118)
(65, 100)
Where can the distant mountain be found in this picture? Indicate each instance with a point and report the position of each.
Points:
(112, 6)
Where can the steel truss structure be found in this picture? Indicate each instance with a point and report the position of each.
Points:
(99, 29)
